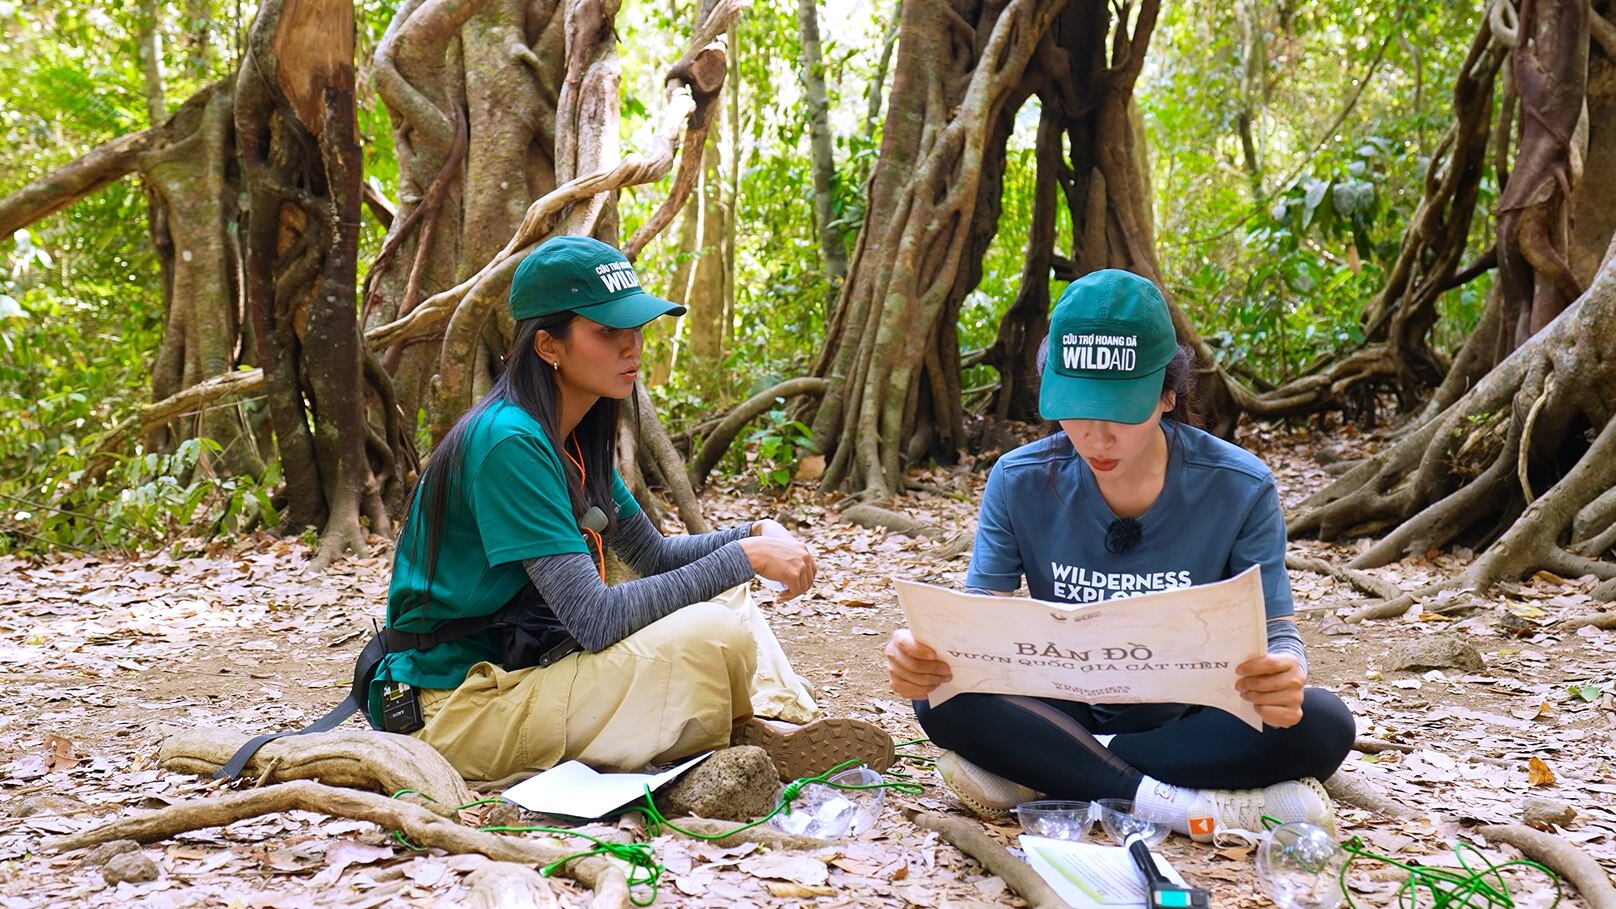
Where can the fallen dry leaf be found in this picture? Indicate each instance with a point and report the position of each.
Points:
(1538, 773)
(342, 853)
(787, 890)
(59, 753)
(800, 869)
(854, 866)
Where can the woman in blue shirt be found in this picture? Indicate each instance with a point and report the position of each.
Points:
(1130, 497)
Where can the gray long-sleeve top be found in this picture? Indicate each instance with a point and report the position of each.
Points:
(673, 573)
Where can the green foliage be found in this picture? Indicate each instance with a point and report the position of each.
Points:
(782, 299)
(773, 449)
(1588, 693)
(1275, 264)
(1272, 257)
(81, 303)
(145, 501)
(1300, 298)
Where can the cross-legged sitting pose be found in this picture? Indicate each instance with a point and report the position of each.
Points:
(1128, 495)
(505, 639)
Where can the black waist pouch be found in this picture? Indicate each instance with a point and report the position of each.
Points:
(529, 634)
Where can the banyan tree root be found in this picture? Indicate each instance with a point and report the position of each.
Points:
(876, 518)
(1562, 857)
(1525, 457)
(419, 825)
(762, 835)
(1605, 621)
(1353, 789)
(969, 839)
(723, 435)
(353, 758)
(1362, 581)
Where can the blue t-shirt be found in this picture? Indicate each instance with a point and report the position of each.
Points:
(1043, 518)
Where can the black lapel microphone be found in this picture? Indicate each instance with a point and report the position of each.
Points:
(1123, 535)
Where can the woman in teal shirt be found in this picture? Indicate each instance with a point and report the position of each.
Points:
(513, 515)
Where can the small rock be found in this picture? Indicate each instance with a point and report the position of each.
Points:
(131, 867)
(1546, 814)
(735, 784)
(1438, 651)
(502, 814)
(105, 852)
(45, 803)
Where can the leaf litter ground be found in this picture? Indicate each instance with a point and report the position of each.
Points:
(98, 659)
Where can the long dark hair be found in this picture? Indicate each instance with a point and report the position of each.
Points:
(529, 383)
(1179, 379)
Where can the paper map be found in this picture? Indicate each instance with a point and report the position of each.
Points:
(1178, 646)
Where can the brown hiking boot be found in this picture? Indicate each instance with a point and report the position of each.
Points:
(800, 751)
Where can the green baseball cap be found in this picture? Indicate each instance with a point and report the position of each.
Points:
(588, 277)
(1110, 340)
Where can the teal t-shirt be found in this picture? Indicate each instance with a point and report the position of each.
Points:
(510, 504)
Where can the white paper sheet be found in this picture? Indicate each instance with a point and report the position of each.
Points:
(1175, 646)
(576, 790)
(1088, 875)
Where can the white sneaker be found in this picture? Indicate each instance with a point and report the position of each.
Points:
(1223, 816)
(987, 794)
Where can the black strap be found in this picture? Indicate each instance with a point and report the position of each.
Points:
(452, 630)
(370, 656)
(524, 607)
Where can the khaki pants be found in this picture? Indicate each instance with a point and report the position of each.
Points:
(671, 689)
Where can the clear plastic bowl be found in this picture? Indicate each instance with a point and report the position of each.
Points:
(1122, 819)
(1056, 819)
(827, 812)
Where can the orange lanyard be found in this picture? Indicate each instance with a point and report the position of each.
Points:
(583, 474)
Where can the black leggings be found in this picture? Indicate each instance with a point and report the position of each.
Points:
(1049, 745)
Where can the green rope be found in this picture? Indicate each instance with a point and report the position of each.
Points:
(644, 869)
(1448, 889)
(655, 821)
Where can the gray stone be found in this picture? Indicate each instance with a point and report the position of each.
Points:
(45, 803)
(735, 784)
(131, 867)
(1546, 814)
(104, 853)
(1437, 651)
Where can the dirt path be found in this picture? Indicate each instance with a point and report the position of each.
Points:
(97, 659)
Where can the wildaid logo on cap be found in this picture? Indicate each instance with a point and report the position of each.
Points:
(617, 276)
(1100, 353)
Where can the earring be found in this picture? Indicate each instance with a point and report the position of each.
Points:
(555, 365)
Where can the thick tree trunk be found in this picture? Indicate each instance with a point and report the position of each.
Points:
(831, 248)
(892, 357)
(418, 73)
(1522, 464)
(892, 345)
(1550, 64)
(704, 325)
(299, 146)
(192, 186)
(187, 167)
